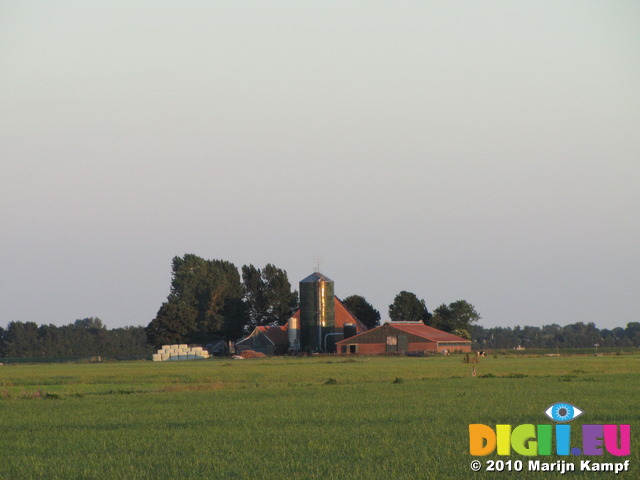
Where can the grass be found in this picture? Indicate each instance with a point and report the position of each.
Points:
(313, 418)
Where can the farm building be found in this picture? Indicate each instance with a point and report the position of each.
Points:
(318, 324)
(323, 324)
(279, 340)
(267, 340)
(401, 337)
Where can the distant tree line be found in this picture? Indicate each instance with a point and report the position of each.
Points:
(84, 338)
(575, 335)
(213, 299)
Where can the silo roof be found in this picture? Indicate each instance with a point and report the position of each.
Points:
(316, 277)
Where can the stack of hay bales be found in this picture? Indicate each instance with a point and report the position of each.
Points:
(174, 353)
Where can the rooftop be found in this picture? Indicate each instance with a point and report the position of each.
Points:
(315, 278)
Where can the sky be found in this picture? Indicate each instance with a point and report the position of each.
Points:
(485, 151)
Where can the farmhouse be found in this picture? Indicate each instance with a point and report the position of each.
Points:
(267, 340)
(279, 340)
(402, 337)
(324, 324)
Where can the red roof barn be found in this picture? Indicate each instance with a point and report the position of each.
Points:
(342, 316)
(276, 341)
(268, 340)
(401, 337)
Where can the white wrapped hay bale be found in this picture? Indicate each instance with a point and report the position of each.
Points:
(179, 352)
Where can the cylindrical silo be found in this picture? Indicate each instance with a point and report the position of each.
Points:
(317, 317)
(349, 330)
(294, 333)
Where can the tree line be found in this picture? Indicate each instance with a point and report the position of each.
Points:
(83, 338)
(575, 335)
(213, 299)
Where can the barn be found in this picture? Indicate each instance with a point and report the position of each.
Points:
(278, 340)
(402, 337)
(267, 340)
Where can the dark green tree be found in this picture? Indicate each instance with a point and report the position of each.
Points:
(362, 310)
(254, 298)
(458, 317)
(632, 332)
(174, 323)
(127, 343)
(22, 340)
(84, 338)
(267, 296)
(407, 307)
(90, 323)
(203, 303)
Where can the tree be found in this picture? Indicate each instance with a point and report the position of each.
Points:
(406, 307)
(362, 310)
(204, 303)
(632, 332)
(253, 287)
(267, 296)
(458, 315)
(174, 323)
(90, 323)
(21, 340)
(461, 332)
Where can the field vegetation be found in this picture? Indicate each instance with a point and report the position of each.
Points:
(295, 418)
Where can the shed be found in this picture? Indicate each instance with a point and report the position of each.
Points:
(402, 337)
(268, 340)
(276, 341)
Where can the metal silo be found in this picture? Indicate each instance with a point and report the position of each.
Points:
(294, 333)
(350, 330)
(317, 317)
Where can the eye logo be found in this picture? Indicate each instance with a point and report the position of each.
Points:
(563, 412)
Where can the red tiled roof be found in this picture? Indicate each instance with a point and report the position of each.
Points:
(277, 335)
(345, 316)
(427, 332)
(418, 329)
(342, 316)
(280, 335)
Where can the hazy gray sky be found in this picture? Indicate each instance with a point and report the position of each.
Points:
(486, 151)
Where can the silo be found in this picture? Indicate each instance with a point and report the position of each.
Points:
(317, 317)
(350, 330)
(294, 333)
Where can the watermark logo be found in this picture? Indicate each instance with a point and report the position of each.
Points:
(531, 440)
(563, 412)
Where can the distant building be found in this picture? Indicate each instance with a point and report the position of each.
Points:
(323, 324)
(280, 340)
(267, 340)
(403, 337)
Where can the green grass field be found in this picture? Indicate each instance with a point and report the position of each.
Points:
(308, 418)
